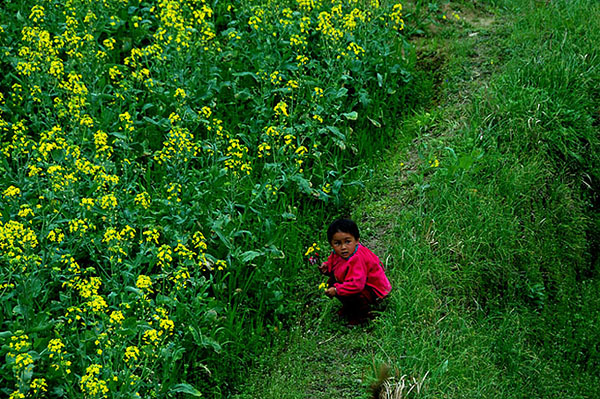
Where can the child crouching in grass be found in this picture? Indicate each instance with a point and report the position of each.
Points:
(356, 276)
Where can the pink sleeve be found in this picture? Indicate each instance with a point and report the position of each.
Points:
(356, 278)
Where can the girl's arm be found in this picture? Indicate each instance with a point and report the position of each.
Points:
(327, 266)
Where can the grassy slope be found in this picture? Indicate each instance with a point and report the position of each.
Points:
(493, 252)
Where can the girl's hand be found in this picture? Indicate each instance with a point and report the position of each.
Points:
(323, 268)
(331, 292)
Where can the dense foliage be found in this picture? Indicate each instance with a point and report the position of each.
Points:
(156, 157)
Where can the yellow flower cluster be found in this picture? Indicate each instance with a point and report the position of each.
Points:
(38, 386)
(116, 317)
(132, 354)
(118, 241)
(306, 5)
(58, 355)
(327, 28)
(165, 324)
(355, 49)
(264, 150)
(180, 278)
(237, 158)
(143, 200)
(16, 240)
(396, 17)
(179, 146)
(91, 384)
(313, 248)
(151, 236)
(281, 109)
(100, 168)
(11, 191)
(19, 343)
(144, 283)
(350, 20)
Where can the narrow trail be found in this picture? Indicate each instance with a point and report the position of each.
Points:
(320, 357)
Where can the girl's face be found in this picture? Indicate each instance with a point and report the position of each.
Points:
(343, 244)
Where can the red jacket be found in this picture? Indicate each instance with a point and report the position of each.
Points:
(363, 268)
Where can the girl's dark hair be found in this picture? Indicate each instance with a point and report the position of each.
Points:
(343, 226)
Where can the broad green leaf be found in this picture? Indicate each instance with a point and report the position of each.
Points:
(351, 115)
(249, 256)
(187, 389)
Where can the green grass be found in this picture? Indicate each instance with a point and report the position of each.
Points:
(494, 253)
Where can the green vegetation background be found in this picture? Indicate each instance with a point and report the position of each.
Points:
(479, 190)
(494, 253)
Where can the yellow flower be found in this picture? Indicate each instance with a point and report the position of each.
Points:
(25, 211)
(91, 384)
(356, 49)
(116, 317)
(109, 43)
(152, 235)
(87, 203)
(23, 361)
(301, 150)
(314, 247)
(37, 13)
(16, 395)
(281, 108)
(151, 337)
(164, 255)
(55, 346)
(221, 264)
(143, 199)
(39, 385)
(180, 93)
(254, 21)
(108, 201)
(263, 149)
(131, 353)
(19, 342)
(11, 191)
(276, 78)
(306, 5)
(302, 60)
(396, 17)
(144, 283)
(206, 112)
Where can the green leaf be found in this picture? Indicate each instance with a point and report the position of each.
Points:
(249, 256)
(119, 135)
(351, 115)
(211, 343)
(337, 132)
(187, 389)
(374, 122)
(146, 107)
(341, 92)
(152, 121)
(288, 215)
(303, 184)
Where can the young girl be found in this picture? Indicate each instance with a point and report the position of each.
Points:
(356, 276)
